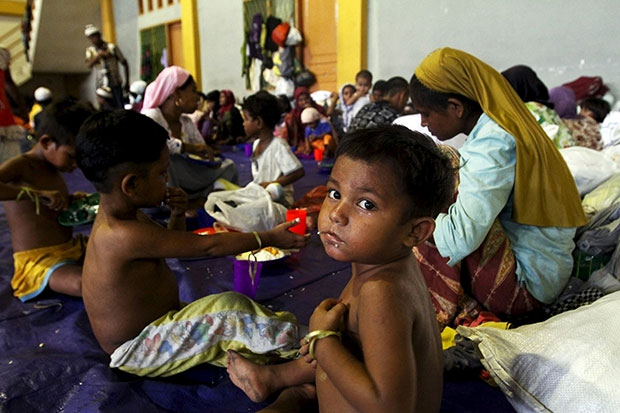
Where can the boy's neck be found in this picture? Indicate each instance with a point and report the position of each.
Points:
(360, 270)
(37, 153)
(264, 134)
(117, 206)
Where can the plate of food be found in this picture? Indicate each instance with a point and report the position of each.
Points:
(82, 210)
(267, 255)
(217, 161)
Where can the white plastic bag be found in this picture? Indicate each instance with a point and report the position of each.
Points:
(590, 168)
(254, 210)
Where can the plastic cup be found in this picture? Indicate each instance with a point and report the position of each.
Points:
(243, 281)
(318, 155)
(300, 228)
(248, 149)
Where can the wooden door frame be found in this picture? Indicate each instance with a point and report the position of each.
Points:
(351, 42)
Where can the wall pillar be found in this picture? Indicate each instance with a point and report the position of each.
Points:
(352, 39)
(191, 39)
(108, 29)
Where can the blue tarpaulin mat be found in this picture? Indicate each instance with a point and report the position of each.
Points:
(50, 360)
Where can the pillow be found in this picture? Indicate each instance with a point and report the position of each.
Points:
(567, 363)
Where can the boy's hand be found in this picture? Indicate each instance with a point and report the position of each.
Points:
(54, 200)
(176, 199)
(281, 237)
(328, 315)
(78, 195)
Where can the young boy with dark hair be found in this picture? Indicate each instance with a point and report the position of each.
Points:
(377, 347)
(359, 99)
(273, 162)
(595, 108)
(45, 253)
(385, 111)
(130, 294)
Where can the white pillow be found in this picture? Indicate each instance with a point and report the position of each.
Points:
(569, 363)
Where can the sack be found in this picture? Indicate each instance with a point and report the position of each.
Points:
(590, 168)
(305, 78)
(248, 209)
(293, 38)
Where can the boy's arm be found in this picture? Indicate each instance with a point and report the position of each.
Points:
(352, 99)
(291, 177)
(385, 381)
(139, 240)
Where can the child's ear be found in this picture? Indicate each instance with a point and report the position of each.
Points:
(420, 229)
(46, 141)
(129, 184)
(260, 123)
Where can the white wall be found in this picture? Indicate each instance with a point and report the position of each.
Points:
(221, 37)
(127, 35)
(560, 39)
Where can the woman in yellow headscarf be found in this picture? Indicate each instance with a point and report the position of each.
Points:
(508, 238)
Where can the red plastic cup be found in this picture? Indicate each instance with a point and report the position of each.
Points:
(243, 281)
(318, 155)
(300, 228)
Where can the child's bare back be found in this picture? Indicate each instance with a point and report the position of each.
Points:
(122, 293)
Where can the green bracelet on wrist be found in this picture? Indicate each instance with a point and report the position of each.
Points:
(312, 337)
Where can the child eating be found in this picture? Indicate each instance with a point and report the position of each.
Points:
(45, 254)
(377, 347)
(273, 162)
(130, 294)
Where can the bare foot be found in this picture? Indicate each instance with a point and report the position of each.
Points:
(255, 381)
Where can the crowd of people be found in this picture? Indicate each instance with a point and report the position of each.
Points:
(435, 235)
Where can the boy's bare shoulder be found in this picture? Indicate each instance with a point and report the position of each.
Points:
(125, 236)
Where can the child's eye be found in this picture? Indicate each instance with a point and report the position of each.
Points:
(333, 194)
(366, 204)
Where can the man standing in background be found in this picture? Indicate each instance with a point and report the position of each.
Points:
(106, 57)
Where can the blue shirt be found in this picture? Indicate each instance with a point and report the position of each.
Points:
(487, 175)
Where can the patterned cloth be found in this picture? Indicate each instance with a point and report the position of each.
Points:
(488, 275)
(373, 114)
(107, 68)
(552, 124)
(203, 331)
(586, 132)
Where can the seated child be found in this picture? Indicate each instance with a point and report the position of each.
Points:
(586, 128)
(338, 111)
(363, 82)
(318, 132)
(45, 254)
(130, 294)
(273, 162)
(376, 348)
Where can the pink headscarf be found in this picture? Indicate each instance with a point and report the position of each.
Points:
(166, 83)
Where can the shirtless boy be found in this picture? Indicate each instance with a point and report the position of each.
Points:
(126, 283)
(45, 253)
(381, 200)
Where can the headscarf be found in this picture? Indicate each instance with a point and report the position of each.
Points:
(166, 83)
(545, 193)
(564, 102)
(347, 110)
(230, 102)
(300, 90)
(527, 85)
